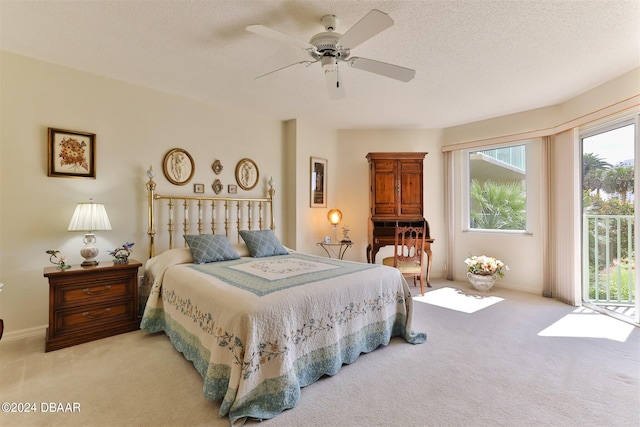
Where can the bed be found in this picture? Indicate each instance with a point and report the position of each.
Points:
(261, 321)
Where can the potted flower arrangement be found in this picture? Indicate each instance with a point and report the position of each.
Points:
(121, 255)
(482, 271)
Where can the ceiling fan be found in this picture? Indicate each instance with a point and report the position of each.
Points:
(331, 48)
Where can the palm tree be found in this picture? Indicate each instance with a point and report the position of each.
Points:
(593, 180)
(619, 180)
(498, 205)
(592, 168)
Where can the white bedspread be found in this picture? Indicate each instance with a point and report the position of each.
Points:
(259, 329)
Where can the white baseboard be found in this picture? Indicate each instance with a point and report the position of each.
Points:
(37, 331)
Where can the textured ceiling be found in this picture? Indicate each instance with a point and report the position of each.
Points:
(474, 59)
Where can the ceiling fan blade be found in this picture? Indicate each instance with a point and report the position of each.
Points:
(371, 24)
(388, 70)
(261, 30)
(334, 84)
(307, 63)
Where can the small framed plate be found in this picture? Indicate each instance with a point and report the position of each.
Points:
(217, 186)
(217, 167)
(247, 174)
(178, 166)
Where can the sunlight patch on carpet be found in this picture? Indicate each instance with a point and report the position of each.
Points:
(585, 323)
(455, 299)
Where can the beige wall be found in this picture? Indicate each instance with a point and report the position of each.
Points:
(514, 248)
(310, 140)
(524, 252)
(135, 127)
(548, 120)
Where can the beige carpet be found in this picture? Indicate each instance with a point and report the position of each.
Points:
(513, 360)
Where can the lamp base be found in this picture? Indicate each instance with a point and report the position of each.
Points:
(90, 251)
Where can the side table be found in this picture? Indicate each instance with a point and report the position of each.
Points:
(335, 249)
(89, 303)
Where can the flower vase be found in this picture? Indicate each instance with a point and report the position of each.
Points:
(482, 282)
(121, 260)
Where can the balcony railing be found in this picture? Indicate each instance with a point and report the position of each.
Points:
(608, 259)
(514, 156)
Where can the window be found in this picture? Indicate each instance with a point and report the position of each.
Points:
(497, 189)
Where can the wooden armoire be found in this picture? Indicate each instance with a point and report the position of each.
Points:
(395, 197)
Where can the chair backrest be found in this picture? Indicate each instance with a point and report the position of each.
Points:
(409, 243)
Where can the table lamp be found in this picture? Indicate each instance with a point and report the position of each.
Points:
(334, 216)
(89, 217)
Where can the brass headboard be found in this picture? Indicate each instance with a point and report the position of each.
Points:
(203, 214)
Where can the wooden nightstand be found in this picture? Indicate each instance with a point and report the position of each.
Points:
(89, 303)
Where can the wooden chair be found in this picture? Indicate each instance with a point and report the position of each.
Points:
(408, 253)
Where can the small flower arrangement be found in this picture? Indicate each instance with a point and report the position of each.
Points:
(121, 255)
(485, 266)
(60, 262)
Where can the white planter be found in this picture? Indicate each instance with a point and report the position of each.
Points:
(480, 282)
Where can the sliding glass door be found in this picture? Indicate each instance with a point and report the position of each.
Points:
(609, 218)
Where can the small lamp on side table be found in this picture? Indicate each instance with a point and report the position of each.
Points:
(89, 217)
(334, 216)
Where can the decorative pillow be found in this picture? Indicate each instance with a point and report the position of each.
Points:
(210, 248)
(262, 243)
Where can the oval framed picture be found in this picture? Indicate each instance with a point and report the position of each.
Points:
(217, 186)
(178, 166)
(247, 174)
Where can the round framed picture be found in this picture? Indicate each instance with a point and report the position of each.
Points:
(247, 174)
(178, 166)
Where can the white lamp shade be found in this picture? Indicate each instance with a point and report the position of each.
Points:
(89, 217)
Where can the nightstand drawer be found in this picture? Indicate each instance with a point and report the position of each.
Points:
(94, 316)
(90, 303)
(92, 293)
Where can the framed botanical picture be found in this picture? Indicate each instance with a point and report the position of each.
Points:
(178, 166)
(198, 188)
(247, 174)
(318, 183)
(71, 153)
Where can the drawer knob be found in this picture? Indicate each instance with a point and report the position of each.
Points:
(101, 291)
(94, 316)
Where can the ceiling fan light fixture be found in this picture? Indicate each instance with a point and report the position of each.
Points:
(329, 63)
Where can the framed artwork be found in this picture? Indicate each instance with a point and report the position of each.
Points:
(217, 186)
(247, 174)
(318, 183)
(178, 166)
(198, 188)
(233, 189)
(217, 167)
(71, 153)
